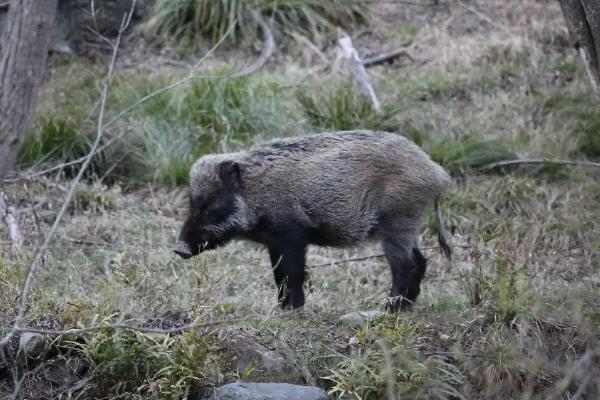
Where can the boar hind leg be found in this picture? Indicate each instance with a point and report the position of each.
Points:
(288, 259)
(408, 267)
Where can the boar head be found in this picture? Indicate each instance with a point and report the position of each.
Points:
(214, 206)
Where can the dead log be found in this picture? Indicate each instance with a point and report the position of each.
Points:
(387, 57)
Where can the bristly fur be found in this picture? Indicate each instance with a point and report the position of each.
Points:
(330, 189)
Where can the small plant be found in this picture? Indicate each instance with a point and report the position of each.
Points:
(93, 200)
(365, 374)
(475, 283)
(167, 367)
(344, 109)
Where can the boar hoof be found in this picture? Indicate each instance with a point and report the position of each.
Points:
(183, 250)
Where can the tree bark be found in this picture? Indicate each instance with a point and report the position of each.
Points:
(583, 22)
(23, 51)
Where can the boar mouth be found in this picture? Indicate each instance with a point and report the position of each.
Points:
(185, 250)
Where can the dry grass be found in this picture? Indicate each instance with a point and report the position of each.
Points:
(509, 319)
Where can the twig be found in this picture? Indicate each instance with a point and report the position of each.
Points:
(126, 327)
(358, 70)
(337, 262)
(386, 57)
(380, 255)
(39, 257)
(9, 215)
(507, 163)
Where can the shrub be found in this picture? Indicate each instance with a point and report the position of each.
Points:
(188, 19)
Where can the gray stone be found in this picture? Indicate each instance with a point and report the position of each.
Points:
(33, 345)
(266, 365)
(360, 318)
(267, 391)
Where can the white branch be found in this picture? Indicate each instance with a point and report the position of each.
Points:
(359, 72)
(9, 215)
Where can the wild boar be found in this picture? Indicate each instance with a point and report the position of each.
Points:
(329, 189)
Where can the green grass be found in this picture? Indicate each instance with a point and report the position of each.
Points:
(507, 318)
(188, 20)
(580, 114)
(134, 365)
(342, 108)
(54, 140)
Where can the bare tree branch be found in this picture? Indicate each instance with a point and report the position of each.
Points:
(507, 163)
(39, 257)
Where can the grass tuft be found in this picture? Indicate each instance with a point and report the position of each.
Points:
(54, 140)
(581, 115)
(162, 367)
(463, 155)
(343, 108)
(187, 20)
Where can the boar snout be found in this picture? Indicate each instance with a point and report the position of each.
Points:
(184, 250)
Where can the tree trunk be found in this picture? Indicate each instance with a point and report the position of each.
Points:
(583, 22)
(24, 48)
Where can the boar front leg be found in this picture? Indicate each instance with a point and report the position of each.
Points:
(407, 265)
(288, 257)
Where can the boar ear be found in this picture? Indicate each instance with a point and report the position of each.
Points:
(231, 172)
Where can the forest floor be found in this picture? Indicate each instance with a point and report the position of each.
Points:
(515, 314)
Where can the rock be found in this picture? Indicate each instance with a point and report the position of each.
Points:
(64, 371)
(266, 365)
(32, 345)
(360, 318)
(267, 391)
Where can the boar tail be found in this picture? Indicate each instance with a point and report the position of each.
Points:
(440, 231)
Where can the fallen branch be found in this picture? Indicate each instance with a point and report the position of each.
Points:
(39, 256)
(125, 327)
(9, 215)
(358, 71)
(508, 163)
(380, 255)
(386, 57)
